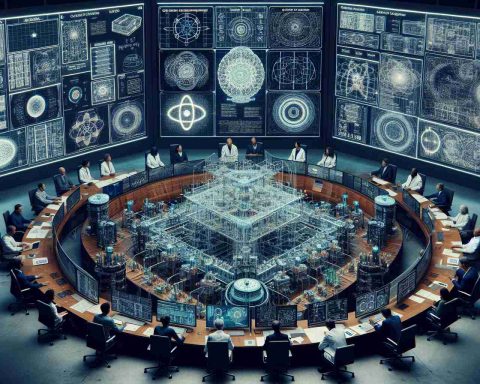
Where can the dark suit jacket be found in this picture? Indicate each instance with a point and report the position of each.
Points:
(63, 183)
(275, 337)
(439, 198)
(255, 151)
(179, 159)
(391, 328)
(26, 281)
(18, 221)
(388, 175)
(466, 282)
(167, 331)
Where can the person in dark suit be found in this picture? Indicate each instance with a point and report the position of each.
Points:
(62, 181)
(390, 328)
(180, 156)
(28, 281)
(166, 330)
(440, 197)
(16, 219)
(276, 335)
(385, 172)
(465, 277)
(254, 149)
(107, 321)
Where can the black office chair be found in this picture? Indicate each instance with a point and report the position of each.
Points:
(441, 325)
(277, 359)
(424, 182)
(219, 149)
(23, 296)
(173, 150)
(161, 349)
(46, 317)
(468, 299)
(305, 148)
(343, 357)
(6, 218)
(395, 169)
(406, 343)
(466, 233)
(34, 203)
(78, 174)
(218, 359)
(56, 183)
(97, 340)
(100, 167)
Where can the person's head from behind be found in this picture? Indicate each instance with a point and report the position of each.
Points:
(253, 140)
(463, 209)
(41, 187)
(218, 323)
(464, 264)
(85, 163)
(330, 325)
(107, 157)
(444, 294)
(11, 230)
(476, 232)
(329, 152)
(440, 187)
(413, 172)
(18, 208)
(105, 308)
(62, 171)
(386, 313)
(179, 148)
(384, 162)
(17, 264)
(154, 151)
(49, 296)
(276, 326)
(165, 320)
(229, 141)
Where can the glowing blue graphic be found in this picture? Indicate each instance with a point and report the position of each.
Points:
(186, 70)
(293, 112)
(186, 28)
(8, 151)
(186, 113)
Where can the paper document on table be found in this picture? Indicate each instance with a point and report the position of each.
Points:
(447, 223)
(37, 233)
(131, 327)
(361, 329)
(53, 207)
(417, 299)
(260, 341)
(349, 333)
(316, 334)
(421, 199)
(148, 332)
(391, 193)
(453, 261)
(428, 295)
(297, 340)
(77, 297)
(40, 261)
(449, 252)
(440, 216)
(95, 309)
(456, 243)
(82, 306)
(379, 181)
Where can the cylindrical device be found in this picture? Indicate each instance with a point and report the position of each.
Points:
(97, 210)
(376, 233)
(385, 211)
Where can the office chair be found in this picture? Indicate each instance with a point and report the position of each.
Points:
(78, 174)
(305, 148)
(57, 185)
(441, 325)
(6, 218)
(406, 343)
(173, 150)
(277, 359)
(36, 207)
(468, 299)
(424, 182)
(467, 231)
(145, 156)
(97, 340)
(99, 162)
(46, 317)
(218, 359)
(395, 169)
(343, 356)
(219, 149)
(161, 348)
(23, 296)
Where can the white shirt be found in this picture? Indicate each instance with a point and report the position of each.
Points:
(44, 197)
(107, 168)
(460, 220)
(300, 156)
(58, 319)
(415, 184)
(84, 175)
(154, 161)
(328, 161)
(10, 245)
(472, 245)
(335, 338)
(229, 155)
(219, 335)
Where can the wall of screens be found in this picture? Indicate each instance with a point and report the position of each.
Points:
(406, 83)
(133, 306)
(70, 82)
(180, 313)
(231, 69)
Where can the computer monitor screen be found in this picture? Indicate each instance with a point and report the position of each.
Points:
(138, 179)
(287, 316)
(180, 314)
(370, 302)
(86, 285)
(68, 267)
(428, 220)
(133, 306)
(316, 313)
(233, 317)
(264, 316)
(57, 219)
(407, 285)
(73, 199)
(337, 310)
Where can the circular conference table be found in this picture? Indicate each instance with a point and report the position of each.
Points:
(172, 187)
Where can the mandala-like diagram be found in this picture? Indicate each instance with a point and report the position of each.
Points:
(294, 70)
(394, 132)
(240, 29)
(186, 70)
(8, 151)
(399, 76)
(430, 141)
(36, 106)
(293, 112)
(186, 113)
(297, 29)
(186, 28)
(127, 119)
(75, 94)
(87, 129)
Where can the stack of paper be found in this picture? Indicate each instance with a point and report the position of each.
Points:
(316, 334)
(416, 299)
(449, 252)
(148, 332)
(379, 181)
(428, 295)
(421, 199)
(391, 193)
(456, 243)
(131, 327)
(447, 223)
(82, 306)
(440, 215)
(53, 207)
(37, 233)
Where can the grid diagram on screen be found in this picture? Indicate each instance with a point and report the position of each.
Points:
(180, 313)
(133, 306)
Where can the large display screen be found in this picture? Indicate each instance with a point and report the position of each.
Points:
(133, 306)
(233, 317)
(407, 82)
(370, 302)
(236, 70)
(180, 313)
(70, 82)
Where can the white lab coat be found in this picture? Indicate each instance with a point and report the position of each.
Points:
(460, 220)
(328, 161)
(229, 155)
(300, 156)
(107, 168)
(335, 338)
(414, 184)
(154, 161)
(84, 175)
(10, 245)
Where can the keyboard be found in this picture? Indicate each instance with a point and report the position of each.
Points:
(237, 332)
(180, 331)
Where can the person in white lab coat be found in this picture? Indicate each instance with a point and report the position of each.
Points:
(297, 154)
(10, 247)
(153, 159)
(229, 152)
(329, 159)
(461, 219)
(84, 173)
(414, 181)
(107, 168)
(334, 338)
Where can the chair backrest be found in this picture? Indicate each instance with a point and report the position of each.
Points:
(6, 218)
(470, 226)
(100, 166)
(278, 354)
(407, 339)
(219, 149)
(395, 169)
(45, 314)
(424, 182)
(218, 359)
(96, 338)
(15, 288)
(450, 193)
(476, 288)
(305, 148)
(32, 198)
(78, 173)
(345, 355)
(160, 346)
(474, 220)
(57, 184)
(173, 150)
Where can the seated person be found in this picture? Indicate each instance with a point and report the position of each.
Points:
(276, 335)
(334, 338)
(414, 181)
(10, 247)
(153, 159)
(17, 220)
(438, 309)
(329, 159)
(28, 281)
(84, 174)
(298, 153)
(254, 149)
(390, 328)
(461, 219)
(472, 247)
(107, 321)
(219, 335)
(180, 156)
(48, 299)
(440, 197)
(465, 278)
(43, 199)
(229, 152)
(64, 184)
(107, 168)
(166, 330)
(385, 172)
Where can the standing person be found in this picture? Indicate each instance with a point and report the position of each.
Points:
(329, 159)
(153, 159)
(385, 172)
(229, 152)
(180, 156)
(334, 339)
(298, 153)
(107, 168)
(84, 174)
(254, 149)
(414, 181)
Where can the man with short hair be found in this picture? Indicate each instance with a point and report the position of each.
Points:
(471, 249)
(42, 197)
(229, 152)
(12, 248)
(465, 278)
(16, 219)
(276, 335)
(385, 172)
(390, 328)
(28, 281)
(440, 197)
(107, 321)
(166, 330)
(63, 182)
(219, 335)
(254, 149)
(334, 339)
